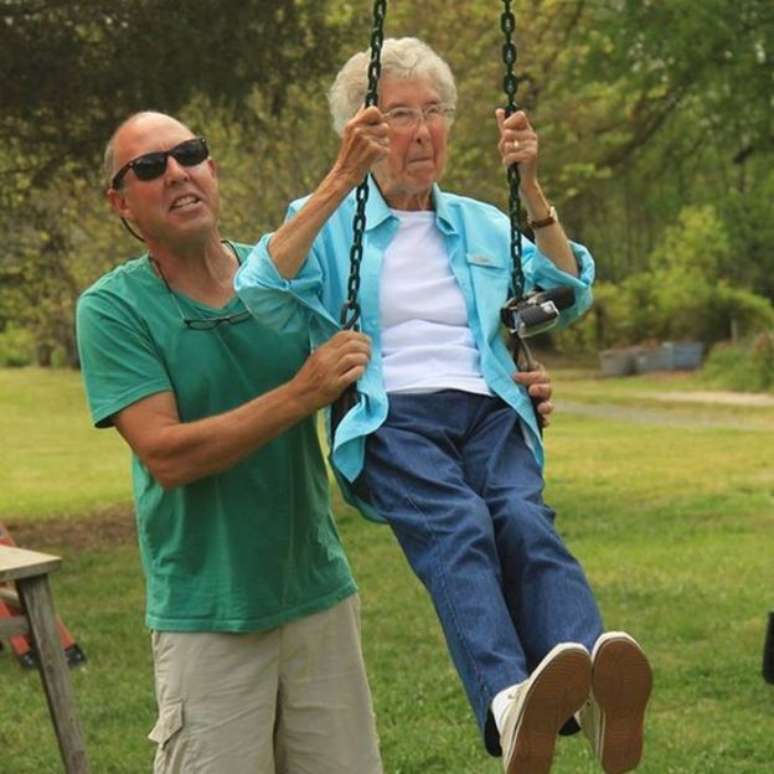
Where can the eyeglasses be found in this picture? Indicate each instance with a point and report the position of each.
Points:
(202, 323)
(151, 165)
(409, 117)
(208, 323)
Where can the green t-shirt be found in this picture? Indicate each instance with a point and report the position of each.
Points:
(242, 550)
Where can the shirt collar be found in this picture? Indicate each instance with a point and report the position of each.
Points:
(442, 212)
(378, 211)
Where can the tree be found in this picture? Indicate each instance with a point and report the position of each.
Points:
(688, 87)
(643, 108)
(73, 70)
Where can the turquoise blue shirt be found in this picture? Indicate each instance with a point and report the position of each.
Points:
(477, 240)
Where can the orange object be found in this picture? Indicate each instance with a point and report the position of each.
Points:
(10, 606)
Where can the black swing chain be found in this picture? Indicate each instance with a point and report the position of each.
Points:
(510, 84)
(350, 311)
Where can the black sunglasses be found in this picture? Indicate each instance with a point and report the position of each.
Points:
(151, 165)
(208, 323)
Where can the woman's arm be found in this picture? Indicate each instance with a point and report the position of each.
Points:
(365, 140)
(519, 145)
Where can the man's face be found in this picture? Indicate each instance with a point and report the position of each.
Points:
(178, 207)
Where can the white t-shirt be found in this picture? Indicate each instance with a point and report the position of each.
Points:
(426, 342)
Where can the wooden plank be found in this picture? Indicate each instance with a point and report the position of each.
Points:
(35, 595)
(16, 563)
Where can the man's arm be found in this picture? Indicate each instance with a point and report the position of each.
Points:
(179, 453)
(538, 384)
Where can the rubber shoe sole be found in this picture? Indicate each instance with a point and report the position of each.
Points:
(621, 683)
(558, 688)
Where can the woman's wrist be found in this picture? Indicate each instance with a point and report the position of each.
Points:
(537, 206)
(337, 183)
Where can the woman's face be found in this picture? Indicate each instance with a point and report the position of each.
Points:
(418, 151)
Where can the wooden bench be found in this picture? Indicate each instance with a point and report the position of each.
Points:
(29, 571)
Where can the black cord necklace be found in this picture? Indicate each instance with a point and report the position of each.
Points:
(202, 323)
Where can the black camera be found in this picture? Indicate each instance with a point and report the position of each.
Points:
(536, 313)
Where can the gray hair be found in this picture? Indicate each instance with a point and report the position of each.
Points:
(108, 160)
(404, 58)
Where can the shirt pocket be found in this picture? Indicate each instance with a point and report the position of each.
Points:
(169, 722)
(490, 277)
(166, 734)
(486, 260)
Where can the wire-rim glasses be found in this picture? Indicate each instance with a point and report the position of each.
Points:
(404, 117)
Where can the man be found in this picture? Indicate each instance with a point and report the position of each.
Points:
(252, 605)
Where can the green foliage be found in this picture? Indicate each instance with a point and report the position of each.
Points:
(747, 211)
(748, 366)
(673, 98)
(65, 241)
(696, 243)
(654, 123)
(706, 312)
(16, 347)
(671, 305)
(605, 325)
(740, 312)
(683, 295)
(96, 62)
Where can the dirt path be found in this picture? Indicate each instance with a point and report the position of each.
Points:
(705, 396)
(107, 527)
(663, 417)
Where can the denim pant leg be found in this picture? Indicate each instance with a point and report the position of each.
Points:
(547, 592)
(413, 471)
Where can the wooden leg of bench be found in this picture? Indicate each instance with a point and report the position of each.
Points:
(35, 594)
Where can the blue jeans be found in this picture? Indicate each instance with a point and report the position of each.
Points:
(453, 477)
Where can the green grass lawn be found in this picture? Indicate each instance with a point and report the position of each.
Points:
(674, 524)
(53, 460)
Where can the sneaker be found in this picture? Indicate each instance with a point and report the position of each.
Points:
(541, 705)
(613, 719)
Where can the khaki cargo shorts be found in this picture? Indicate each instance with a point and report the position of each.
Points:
(290, 700)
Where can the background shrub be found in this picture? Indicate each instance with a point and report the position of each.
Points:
(748, 366)
(16, 347)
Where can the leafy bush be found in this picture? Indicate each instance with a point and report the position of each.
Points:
(16, 347)
(689, 306)
(684, 295)
(743, 310)
(605, 325)
(748, 367)
(667, 305)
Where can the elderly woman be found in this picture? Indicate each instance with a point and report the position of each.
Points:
(443, 443)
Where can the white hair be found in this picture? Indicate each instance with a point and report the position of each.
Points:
(404, 58)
